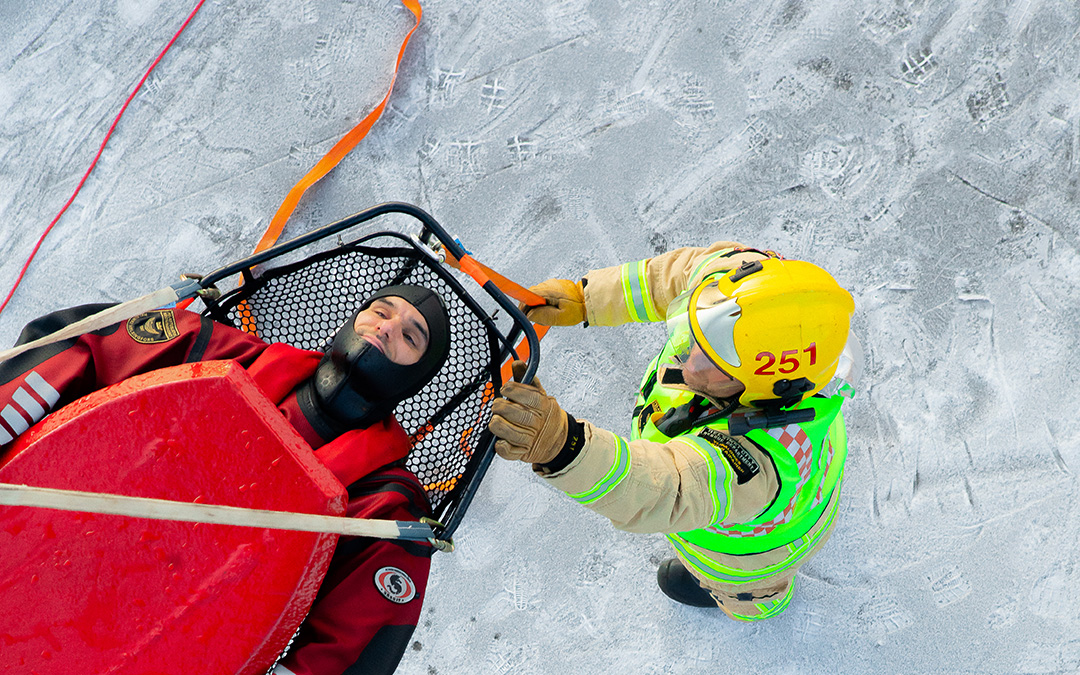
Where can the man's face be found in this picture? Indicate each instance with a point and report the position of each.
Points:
(395, 327)
(704, 377)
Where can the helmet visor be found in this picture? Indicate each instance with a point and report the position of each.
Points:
(692, 361)
(705, 317)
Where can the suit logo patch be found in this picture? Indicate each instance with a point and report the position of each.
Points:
(153, 327)
(737, 457)
(395, 585)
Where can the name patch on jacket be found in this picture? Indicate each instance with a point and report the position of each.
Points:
(738, 457)
(153, 327)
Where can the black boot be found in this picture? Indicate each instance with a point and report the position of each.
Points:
(678, 584)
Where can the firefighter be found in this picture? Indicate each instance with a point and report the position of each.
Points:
(340, 402)
(737, 446)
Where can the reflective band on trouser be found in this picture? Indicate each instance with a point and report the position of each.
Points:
(718, 475)
(620, 469)
(639, 302)
(712, 569)
(767, 610)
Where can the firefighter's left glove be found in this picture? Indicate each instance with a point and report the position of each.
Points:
(530, 425)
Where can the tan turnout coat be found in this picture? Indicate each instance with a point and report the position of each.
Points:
(667, 488)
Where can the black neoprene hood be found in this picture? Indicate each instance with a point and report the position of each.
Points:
(433, 309)
(356, 385)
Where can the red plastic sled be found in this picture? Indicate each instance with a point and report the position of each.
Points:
(113, 595)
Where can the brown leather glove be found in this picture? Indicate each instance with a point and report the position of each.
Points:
(566, 303)
(530, 425)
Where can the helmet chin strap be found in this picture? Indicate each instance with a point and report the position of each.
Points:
(670, 375)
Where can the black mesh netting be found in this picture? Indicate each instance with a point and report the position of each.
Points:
(304, 303)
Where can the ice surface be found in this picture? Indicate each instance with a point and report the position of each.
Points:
(927, 153)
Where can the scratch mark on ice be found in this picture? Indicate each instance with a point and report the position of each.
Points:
(663, 35)
(539, 52)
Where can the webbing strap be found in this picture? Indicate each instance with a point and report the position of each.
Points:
(340, 149)
(109, 316)
(188, 512)
(481, 273)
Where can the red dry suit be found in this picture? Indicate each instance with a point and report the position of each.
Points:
(364, 615)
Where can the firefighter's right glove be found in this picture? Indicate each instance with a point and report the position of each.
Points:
(566, 303)
(530, 425)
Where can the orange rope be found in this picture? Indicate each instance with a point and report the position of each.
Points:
(338, 152)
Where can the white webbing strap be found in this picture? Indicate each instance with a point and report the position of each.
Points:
(107, 317)
(163, 509)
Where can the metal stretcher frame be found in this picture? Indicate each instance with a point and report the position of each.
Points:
(452, 446)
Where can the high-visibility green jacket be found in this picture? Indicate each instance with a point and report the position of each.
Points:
(808, 459)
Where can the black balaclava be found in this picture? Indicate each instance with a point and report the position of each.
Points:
(356, 385)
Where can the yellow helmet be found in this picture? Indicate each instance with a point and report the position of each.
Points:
(777, 327)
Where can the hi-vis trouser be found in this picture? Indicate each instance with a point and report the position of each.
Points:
(767, 580)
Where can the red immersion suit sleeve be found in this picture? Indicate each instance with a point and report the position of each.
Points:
(369, 602)
(43, 379)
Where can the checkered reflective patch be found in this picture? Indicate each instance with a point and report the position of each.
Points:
(798, 444)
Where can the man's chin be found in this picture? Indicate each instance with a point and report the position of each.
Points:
(374, 342)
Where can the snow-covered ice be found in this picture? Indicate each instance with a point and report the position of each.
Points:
(927, 153)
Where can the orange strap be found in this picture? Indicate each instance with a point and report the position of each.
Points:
(476, 270)
(338, 152)
(522, 352)
(325, 165)
(481, 273)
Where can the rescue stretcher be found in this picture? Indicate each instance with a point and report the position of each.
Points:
(97, 592)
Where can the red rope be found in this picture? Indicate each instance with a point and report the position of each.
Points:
(101, 149)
